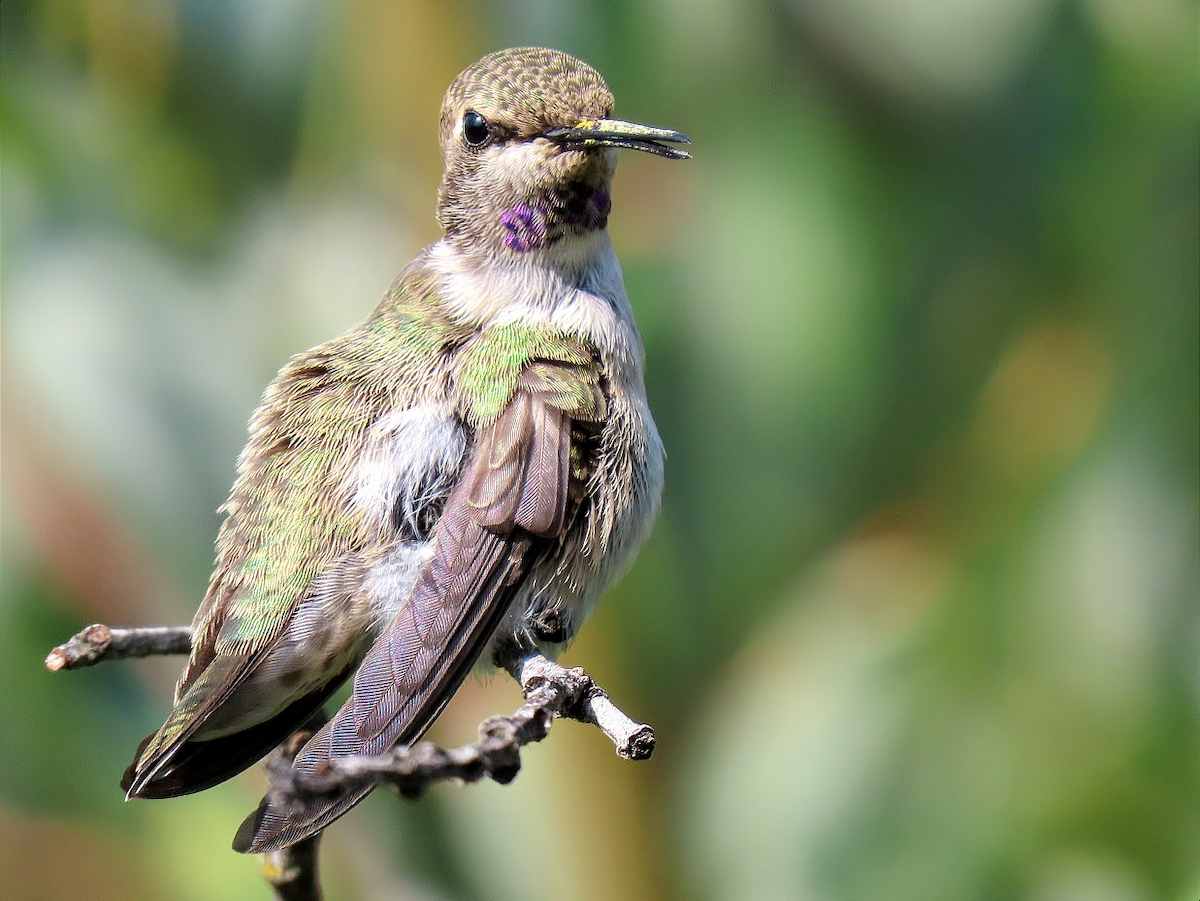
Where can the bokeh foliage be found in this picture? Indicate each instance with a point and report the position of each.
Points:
(920, 618)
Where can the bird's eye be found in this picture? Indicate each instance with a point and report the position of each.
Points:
(475, 128)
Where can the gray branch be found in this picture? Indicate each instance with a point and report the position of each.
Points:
(99, 642)
(550, 690)
(573, 694)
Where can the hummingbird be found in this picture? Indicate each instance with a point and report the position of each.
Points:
(464, 473)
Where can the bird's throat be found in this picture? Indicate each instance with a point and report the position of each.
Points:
(576, 208)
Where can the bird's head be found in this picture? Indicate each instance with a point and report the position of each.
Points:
(530, 150)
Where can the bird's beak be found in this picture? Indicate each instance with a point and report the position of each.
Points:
(616, 133)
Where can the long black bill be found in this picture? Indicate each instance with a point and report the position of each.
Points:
(618, 133)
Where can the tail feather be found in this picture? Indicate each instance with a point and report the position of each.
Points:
(196, 765)
(205, 695)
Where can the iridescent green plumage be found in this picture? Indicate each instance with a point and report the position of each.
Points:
(487, 372)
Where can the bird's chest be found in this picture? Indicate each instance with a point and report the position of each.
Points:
(617, 498)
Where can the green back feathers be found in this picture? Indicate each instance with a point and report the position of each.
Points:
(291, 512)
(290, 516)
(487, 371)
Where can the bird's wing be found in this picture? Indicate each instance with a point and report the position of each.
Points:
(288, 535)
(513, 496)
(292, 535)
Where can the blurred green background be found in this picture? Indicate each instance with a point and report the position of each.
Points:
(919, 620)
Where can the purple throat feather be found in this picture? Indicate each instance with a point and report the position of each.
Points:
(577, 209)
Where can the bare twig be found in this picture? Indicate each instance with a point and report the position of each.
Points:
(293, 872)
(577, 696)
(550, 690)
(99, 642)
